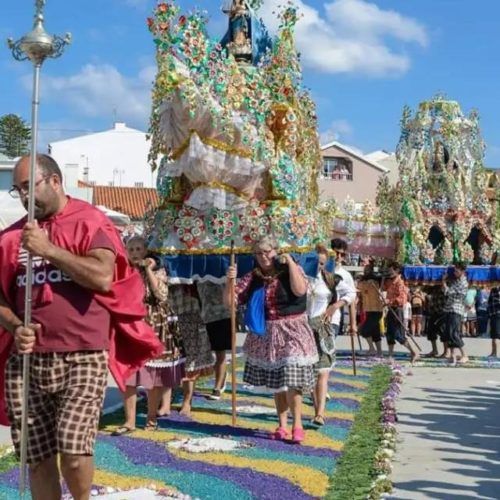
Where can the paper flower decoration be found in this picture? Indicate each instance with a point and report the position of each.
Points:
(189, 226)
(254, 223)
(222, 226)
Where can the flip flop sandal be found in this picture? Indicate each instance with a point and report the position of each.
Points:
(151, 427)
(318, 420)
(121, 431)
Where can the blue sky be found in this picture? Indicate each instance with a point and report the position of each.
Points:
(363, 61)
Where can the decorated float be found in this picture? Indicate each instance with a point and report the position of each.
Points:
(234, 138)
(440, 204)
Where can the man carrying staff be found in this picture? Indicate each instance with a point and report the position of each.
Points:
(397, 295)
(79, 314)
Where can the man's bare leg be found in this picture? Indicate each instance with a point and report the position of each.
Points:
(453, 356)
(391, 351)
(371, 347)
(379, 348)
(446, 351)
(220, 369)
(463, 356)
(413, 353)
(44, 480)
(434, 352)
(78, 471)
(493, 348)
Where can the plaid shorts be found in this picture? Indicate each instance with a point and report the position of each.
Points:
(64, 405)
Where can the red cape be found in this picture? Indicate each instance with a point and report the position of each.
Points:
(133, 341)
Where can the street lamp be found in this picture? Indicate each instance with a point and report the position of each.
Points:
(36, 46)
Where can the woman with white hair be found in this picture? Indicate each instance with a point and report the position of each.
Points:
(280, 348)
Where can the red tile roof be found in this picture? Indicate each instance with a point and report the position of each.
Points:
(132, 201)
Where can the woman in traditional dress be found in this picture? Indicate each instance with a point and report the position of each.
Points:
(185, 303)
(159, 375)
(321, 295)
(281, 355)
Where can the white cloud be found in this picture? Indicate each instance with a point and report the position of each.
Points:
(338, 129)
(99, 89)
(351, 36)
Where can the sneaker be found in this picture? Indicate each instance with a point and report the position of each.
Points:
(216, 395)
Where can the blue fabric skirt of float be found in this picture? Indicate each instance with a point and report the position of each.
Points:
(432, 275)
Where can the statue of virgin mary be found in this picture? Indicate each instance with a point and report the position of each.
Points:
(246, 38)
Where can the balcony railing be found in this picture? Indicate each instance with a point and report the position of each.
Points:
(336, 176)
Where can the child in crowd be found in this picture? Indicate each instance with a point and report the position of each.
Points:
(470, 312)
(417, 300)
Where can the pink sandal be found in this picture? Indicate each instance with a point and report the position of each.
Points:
(298, 435)
(280, 434)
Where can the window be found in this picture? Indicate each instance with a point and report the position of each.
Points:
(139, 184)
(337, 168)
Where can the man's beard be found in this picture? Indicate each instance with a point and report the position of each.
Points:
(39, 211)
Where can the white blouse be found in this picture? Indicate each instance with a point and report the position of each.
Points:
(318, 297)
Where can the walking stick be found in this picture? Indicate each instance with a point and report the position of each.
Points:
(352, 312)
(353, 353)
(232, 305)
(29, 288)
(36, 46)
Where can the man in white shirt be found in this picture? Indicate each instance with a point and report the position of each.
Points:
(346, 290)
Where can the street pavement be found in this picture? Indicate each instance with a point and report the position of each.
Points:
(449, 432)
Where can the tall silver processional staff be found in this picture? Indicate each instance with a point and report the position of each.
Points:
(36, 46)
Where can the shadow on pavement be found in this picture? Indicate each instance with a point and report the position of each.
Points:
(467, 424)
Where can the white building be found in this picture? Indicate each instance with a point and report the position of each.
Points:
(115, 157)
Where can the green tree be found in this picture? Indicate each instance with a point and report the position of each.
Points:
(15, 136)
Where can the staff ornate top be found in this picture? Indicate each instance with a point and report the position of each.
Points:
(37, 45)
